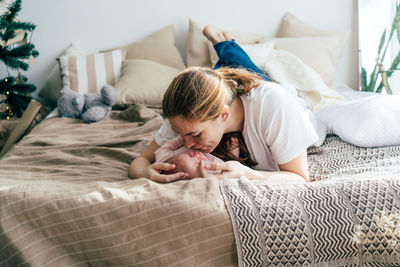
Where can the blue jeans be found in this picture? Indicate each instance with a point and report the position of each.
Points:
(231, 55)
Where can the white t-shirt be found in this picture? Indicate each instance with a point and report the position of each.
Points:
(277, 128)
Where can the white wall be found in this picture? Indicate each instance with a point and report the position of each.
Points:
(99, 24)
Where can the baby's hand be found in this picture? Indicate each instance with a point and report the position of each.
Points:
(198, 154)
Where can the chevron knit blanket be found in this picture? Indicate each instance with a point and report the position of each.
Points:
(339, 220)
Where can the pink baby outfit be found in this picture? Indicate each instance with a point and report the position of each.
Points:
(175, 147)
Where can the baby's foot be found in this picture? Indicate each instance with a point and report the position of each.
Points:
(233, 146)
(215, 35)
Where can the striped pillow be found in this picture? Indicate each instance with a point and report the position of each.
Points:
(89, 73)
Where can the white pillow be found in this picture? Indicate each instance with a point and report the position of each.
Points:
(286, 68)
(89, 73)
(367, 122)
(258, 53)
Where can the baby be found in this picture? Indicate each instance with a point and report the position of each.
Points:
(231, 147)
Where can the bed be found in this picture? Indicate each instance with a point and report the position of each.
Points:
(66, 198)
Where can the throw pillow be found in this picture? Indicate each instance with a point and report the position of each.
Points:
(89, 73)
(143, 82)
(286, 68)
(320, 53)
(367, 122)
(158, 47)
(197, 52)
(53, 83)
(291, 26)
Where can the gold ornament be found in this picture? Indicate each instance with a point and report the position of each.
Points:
(31, 60)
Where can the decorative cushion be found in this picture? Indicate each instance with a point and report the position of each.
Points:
(144, 82)
(320, 53)
(286, 68)
(291, 26)
(367, 122)
(197, 52)
(53, 83)
(158, 47)
(89, 73)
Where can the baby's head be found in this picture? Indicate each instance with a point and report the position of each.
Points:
(185, 162)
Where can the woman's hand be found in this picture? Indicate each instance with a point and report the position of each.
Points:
(227, 169)
(153, 172)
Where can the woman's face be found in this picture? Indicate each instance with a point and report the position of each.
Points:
(204, 136)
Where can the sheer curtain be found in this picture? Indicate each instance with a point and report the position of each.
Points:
(374, 16)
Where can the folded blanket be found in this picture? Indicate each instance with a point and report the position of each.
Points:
(312, 224)
(317, 224)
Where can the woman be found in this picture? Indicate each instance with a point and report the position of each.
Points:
(203, 104)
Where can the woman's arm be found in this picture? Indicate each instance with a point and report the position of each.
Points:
(295, 170)
(297, 165)
(143, 166)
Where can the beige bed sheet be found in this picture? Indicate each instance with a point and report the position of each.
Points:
(66, 200)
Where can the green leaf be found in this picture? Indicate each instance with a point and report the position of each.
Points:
(372, 80)
(396, 21)
(379, 89)
(382, 42)
(363, 79)
(395, 63)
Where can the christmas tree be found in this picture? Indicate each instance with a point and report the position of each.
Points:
(15, 49)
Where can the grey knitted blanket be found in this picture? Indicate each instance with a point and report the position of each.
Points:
(335, 221)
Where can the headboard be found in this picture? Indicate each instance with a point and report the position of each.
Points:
(101, 24)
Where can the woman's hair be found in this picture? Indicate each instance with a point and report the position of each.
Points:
(222, 150)
(201, 93)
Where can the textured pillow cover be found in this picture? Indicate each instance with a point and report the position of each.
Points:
(158, 47)
(89, 73)
(197, 52)
(143, 82)
(53, 84)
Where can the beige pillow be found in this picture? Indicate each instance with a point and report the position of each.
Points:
(197, 53)
(291, 26)
(320, 53)
(158, 47)
(144, 82)
(53, 84)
